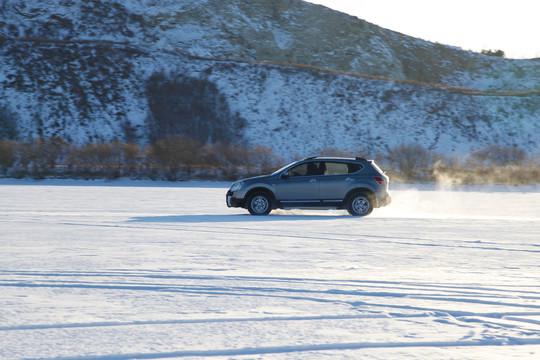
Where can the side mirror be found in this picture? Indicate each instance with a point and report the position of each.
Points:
(285, 175)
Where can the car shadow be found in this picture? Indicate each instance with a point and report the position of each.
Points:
(209, 218)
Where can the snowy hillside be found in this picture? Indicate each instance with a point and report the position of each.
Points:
(138, 70)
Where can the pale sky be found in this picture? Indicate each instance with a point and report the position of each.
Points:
(509, 25)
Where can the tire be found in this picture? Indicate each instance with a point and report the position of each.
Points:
(359, 204)
(259, 204)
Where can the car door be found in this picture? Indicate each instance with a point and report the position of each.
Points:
(300, 184)
(337, 181)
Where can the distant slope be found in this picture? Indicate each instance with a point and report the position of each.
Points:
(287, 31)
(89, 71)
(304, 33)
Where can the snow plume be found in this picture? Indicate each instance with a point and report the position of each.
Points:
(471, 171)
(445, 181)
(422, 201)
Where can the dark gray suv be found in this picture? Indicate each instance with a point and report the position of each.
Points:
(355, 184)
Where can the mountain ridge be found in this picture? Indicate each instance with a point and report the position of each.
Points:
(91, 83)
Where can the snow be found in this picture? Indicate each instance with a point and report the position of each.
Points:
(283, 39)
(143, 270)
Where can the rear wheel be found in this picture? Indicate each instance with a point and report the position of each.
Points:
(259, 204)
(359, 204)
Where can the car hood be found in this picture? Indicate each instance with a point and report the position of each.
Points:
(257, 178)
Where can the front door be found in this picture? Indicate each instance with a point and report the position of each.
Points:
(300, 184)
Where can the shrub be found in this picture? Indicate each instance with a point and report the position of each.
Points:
(495, 155)
(38, 157)
(497, 53)
(411, 162)
(103, 159)
(133, 157)
(227, 159)
(8, 155)
(261, 159)
(46, 153)
(232, 161)
(174, 154)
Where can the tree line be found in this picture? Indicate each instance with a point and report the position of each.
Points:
(177, 158)
(173, 158)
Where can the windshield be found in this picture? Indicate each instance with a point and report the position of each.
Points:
(283, 168)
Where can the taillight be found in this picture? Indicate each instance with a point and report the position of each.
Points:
(379, 179)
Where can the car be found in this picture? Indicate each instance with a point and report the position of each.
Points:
(355, 184)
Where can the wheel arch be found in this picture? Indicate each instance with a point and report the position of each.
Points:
(264, 190)
(365, 190)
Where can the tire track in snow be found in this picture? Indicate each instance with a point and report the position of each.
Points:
(420, 242)
(263, 291)
(510, 341)
(331, 294)
(204, 321)
(328, 236)
(465, 294)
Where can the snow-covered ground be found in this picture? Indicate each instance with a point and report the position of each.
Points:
(139, 270)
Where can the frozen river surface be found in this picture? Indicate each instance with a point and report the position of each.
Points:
(140, 270)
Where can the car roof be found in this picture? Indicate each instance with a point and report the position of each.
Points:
(336, 158)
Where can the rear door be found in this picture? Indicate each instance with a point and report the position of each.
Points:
(337, 180)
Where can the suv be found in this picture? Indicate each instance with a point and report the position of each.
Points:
(355, 184)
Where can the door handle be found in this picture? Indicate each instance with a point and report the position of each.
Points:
(312, 181)
(349, 179)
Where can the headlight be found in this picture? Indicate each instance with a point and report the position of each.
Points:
(237, 186)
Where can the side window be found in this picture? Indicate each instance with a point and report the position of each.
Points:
(306, 169)
(354, 168)
(300, 170)
(337, 168)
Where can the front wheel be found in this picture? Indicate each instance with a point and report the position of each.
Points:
(259, 204)
(359, 204)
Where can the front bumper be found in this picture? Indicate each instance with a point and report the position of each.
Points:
(233, 201)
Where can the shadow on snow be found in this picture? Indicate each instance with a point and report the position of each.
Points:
(234, 218)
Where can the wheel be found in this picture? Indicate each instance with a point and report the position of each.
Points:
(359, 204)
(259, 204)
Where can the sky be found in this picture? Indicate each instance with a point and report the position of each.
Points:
(509, 25)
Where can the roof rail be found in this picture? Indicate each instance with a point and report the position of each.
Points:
(358, 158)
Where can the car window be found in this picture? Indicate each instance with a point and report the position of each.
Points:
(306, 169)
(354, 168)
(338, 168)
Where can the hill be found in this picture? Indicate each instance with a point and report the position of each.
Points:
(287, 74)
